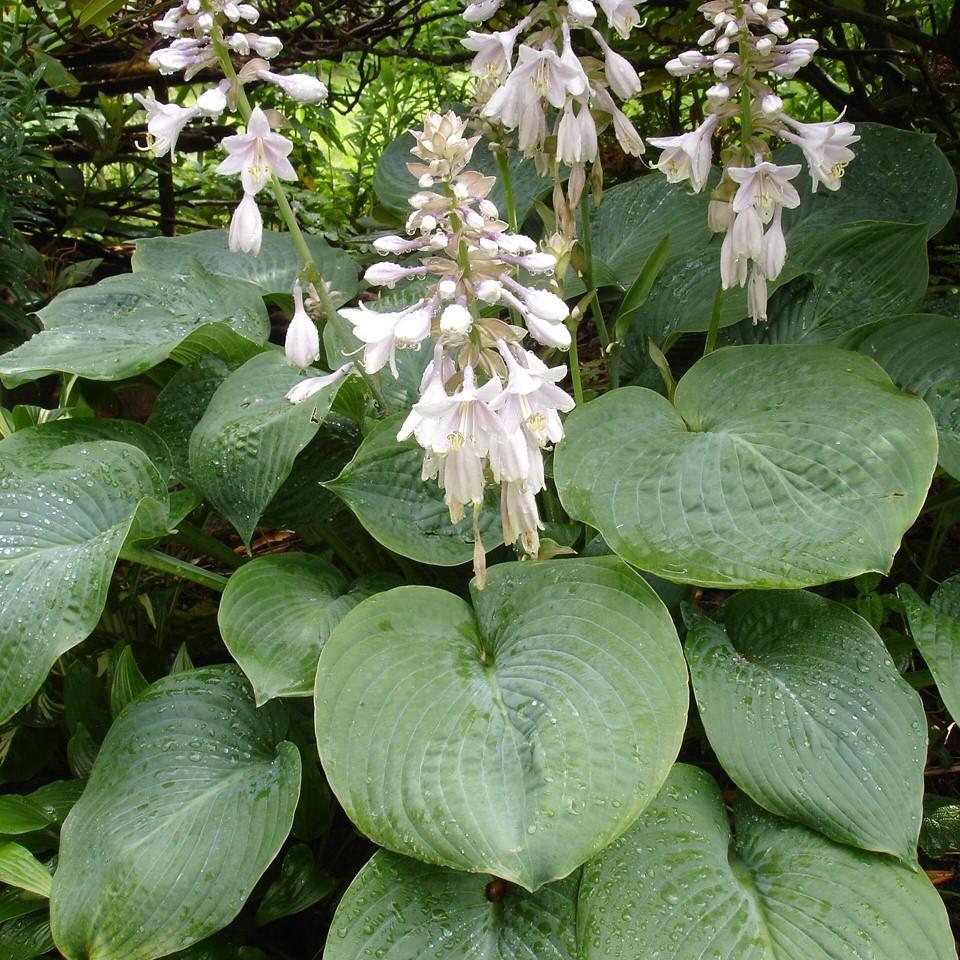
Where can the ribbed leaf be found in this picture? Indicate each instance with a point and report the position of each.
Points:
(276, 614)
(20, 868)
(677, 886)
(63, 518)
(399, 909)
(190, 799)
(778, 466)
(516, 738)
(807, 714)
(20, 815)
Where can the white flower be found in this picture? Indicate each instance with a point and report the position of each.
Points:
(456, 321)
(757, 296)
(626, 133)
(384, 333)
(387, 274)
(212, 102)
(302, 344)
(733, 263)
(582, 11)
(688, 156)
(481, 10)
(246, 227)
(298, 86)
(307, 388)
(165, 121)
(257, 154)
(518, 513)
(765, 187)
(747, 233)
(773, 253)
(432, 393)
(184, 53)
(719, 215)
(494, 52)
(825, 147)
(531, 397)
(623, 79)
(395, 244)
(621, 15)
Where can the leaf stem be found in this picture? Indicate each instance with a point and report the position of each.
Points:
(197, 539)
(163, 562)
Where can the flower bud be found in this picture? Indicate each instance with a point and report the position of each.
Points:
(302, 343)
(456, 320)
(764, 45)
(719, 215)
(246, 227)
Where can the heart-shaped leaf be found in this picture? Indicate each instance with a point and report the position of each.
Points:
(776, 466)
(245, 444)
(516, 738)
(400, 909)
(127, 324)
(807, 714)
(676, 886)
(277, 612)
(935, 627)
(383, 487)
(191, 797)
(273, 270)
(64, 515)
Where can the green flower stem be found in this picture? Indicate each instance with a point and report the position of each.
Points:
(575, 364)
(714, 330)
(163, 562)
(503, 165)
(609, 354)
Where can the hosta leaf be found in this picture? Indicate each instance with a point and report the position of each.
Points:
(273, 270)
(382, 486)
(394, 184)
(921, 352)
(63, 518)
(36, 442)
(245, 444)
(399, 909)
(300, 885)
(515, 738)
(127, 324)
(191, 796)
(57, 798)
(935, 627)
(808, 715)
(20, 815)
(277, 612)
(20, 868)
(676, 886)
(180, 406)
(940, 833)
(778, 466)
(25, 938)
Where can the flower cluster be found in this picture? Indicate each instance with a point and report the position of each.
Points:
(195, 30)
(488, 407)
(749, 53)
(552, 94)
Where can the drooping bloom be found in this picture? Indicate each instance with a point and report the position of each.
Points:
(257, 154)
(826, 148)
(246, 227)
(307, 388)
(688, 156)
(165, 121)
(302, 344)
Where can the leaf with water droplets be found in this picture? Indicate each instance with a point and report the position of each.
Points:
(190, 799)
(808, 715)
(935, 627)
(517, 737)
(400, 909)
(776, 466)
(64, 515)
(247, 440)
(129, 323)
(677, 887)
(277, 612)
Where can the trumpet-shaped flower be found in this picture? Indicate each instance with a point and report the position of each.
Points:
(765, 187)
(826, 148)
(688, 156)
(307, 388)
(257, 154)
(165, 121)
(384, 333)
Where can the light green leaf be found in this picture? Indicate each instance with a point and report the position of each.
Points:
(778, 466)
(515, 738)
(128, 682)
(97, 11)
(300, 885)
(921, 352)
(245, 444)
(382, 486)
(276, 614)
(273, 270)
(25, 938)
(394, 184)
(34, 443)
(20, 815)
(180, 406)
(190, 799)
(63, 518)
(677, 886)
(935, 627)
(399, 909)
(808, 715)
(127, 324)
(20, 868)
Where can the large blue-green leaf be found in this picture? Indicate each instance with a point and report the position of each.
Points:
(778, 466)
(677, 886)
(807, 714)
(517, 737)
(191, 796)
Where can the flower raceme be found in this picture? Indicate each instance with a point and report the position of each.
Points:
(748, 202)
(488, 407)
